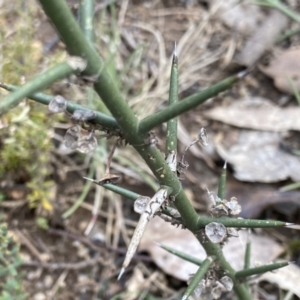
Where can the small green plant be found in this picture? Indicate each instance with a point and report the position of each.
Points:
(26, 142)
(10, 277)
(169, 201)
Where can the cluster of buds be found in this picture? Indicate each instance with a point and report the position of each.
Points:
(74, 137)
(75, 140)
(217, 232)
(223, 207)
(212, 287)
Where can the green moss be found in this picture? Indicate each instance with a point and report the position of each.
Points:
(10, 277)
(25, 132)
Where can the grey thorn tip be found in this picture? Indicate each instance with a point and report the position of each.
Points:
(243, 74)
(184, 297)
(90, 179)
(158, 244)
(121, 273)
(225, 165)
(248, 235)
(289, 224)
(175, 56)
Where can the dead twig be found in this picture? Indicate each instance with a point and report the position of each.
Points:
(62, 265)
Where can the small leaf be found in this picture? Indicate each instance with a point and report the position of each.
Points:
(72, 136)
(83, 115)
(200, 288)
(219, 209)
(233, 206)
(87, 144)
(140, 204)
(216, 292)
(232, 232)
(227, 282)
(203, 138)
(58, 104)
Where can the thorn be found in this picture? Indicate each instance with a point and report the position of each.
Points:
(90, 179)
(291, 262)
(225, 165)
(158, 244)
(184, 297)
(243, 73)
(248, 236)
(289, 224)
(175, 56)
(293, 226)
(121, 273)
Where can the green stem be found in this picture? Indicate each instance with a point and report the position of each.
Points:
(247, 260)
(241, 290)
(81, 198)
(45, 99)
(186, 104)
(133, 196)
(281, 7)
(290, 187)
(198, 276)
(287, 34)
(260, 270)
(68, 29)
(86, 19)
(287, 11)
(121, 191)
(171, 140)
(182, 255)
(61, 17)
(222, 183)
(240, 223)
(40, 82)
(295, 89)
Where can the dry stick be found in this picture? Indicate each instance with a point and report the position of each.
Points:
(97, 204)
(25, 241)
(152, 207)
(94, 244)
(62, 265)
(109, 159)
(108, 177)
(58, 283)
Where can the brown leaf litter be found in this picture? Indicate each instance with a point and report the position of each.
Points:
(285, 70)
(264, 248)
